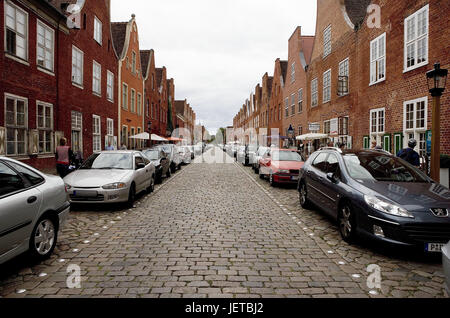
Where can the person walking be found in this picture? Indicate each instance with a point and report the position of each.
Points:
(63, 155)
(409, 154)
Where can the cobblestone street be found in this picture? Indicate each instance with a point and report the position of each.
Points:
(216, 230)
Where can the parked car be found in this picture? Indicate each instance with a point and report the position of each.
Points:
(185, 155)
(281, 166)
(240, 154)
(446, 265)
(111, 177)
(374, 194)
(173, 155)
(258, 155)
(33, 208)
(198, 150)
(191, 149)
(160, 161)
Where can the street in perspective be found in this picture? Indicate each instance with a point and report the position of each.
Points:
(326, 176)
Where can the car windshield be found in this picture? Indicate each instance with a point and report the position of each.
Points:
(151, 154)
(381, 167)
(104, 161)
(166, 148)
(286, 156)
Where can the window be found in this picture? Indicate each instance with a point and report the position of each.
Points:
(415, 122)
(327, 41)
(16, 30)
(77, 129)
(45, 46)
(124, 135)
(286, 106)
(343, 78)
(10, 180)
(377, 124)
(300, 100)
(139, 104)
(378, 59)
(321, 161)
(133, 101)
(300, 130)
(132, 141)
(314, 94)
(293, 104)
(327, 86)
(327, 127)
(110, 131)
(77, 66)
(133, 62)
(343, 126)
(293, 72)
(97, 30)
(96, 78)
(96, 134)
(125, 96)
(16, 125)
(110, 85)
(416, 39)
(45, 127)
(26, 173)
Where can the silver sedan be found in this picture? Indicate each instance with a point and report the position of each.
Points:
(33, 207)
(111, 177)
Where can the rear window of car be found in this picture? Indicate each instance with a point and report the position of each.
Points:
(286, 156)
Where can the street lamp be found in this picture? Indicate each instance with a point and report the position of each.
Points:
(436, 80)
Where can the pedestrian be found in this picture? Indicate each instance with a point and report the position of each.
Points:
(374, 144)
(330, 144)
(123, 147)
(109, 147)
(342, 146)
(409, 154)
(64, 156)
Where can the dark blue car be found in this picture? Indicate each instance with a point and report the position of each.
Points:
(375, 194)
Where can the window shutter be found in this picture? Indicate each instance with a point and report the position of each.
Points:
(2, 140)
(366, 142)
(33, 142)
(398, 142)
(387, 142)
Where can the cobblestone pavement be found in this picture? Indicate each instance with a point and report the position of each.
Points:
(216, 230)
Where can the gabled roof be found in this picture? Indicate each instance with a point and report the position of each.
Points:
(179, 106)
(307, 47)
(159, 75)
(145, 61)
(283, 69)
(119, 34)
(269, 85)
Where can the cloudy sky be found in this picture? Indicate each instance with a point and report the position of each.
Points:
(217, 50)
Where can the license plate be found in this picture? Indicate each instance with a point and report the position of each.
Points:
(85, 193)
(294, 178)
(434, 247)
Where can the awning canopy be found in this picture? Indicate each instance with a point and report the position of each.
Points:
(157, 138)
(174, 139)
(311, 136)
(143, 136)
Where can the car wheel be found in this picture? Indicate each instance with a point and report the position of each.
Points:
(346, 222)
(303, 196)
(131, 195)
(43, 238)
(173, 168)
(158, 178)
(256, 169)
(271, 181)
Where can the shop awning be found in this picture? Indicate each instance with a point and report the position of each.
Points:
(174, 139)
(311, 136)
(143, 136)
(158, 138)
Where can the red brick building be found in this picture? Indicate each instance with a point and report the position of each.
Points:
(29, 68)
(161, 109)
(151, 124)
(275, 126)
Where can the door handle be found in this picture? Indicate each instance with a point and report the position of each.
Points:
(31, 199)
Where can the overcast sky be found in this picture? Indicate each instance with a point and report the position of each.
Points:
(217, 50)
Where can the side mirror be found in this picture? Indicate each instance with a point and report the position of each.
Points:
(332, 177)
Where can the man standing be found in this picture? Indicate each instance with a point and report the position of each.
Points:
(409, 154)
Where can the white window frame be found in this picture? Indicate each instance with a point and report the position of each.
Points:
(416, 39)
(139, 103)
(44, 126)
(133, 62)
(314, 92)
(416, 131)
(96, 78)
(96, 133)
(133, 101)
(377, 61)
(377, 134)
(344, 70)
(125, 96)
(24, 35)
(51, 50)
(76, 67)
(300, 100)
(327, 127)
(78, 116)
(15, 126)
(98, 29)
(326, 86)
(110, 85)
(327, 41)
(293, 72)
(293, 104)
(286, 107)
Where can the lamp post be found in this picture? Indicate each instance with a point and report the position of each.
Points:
(436, 80)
